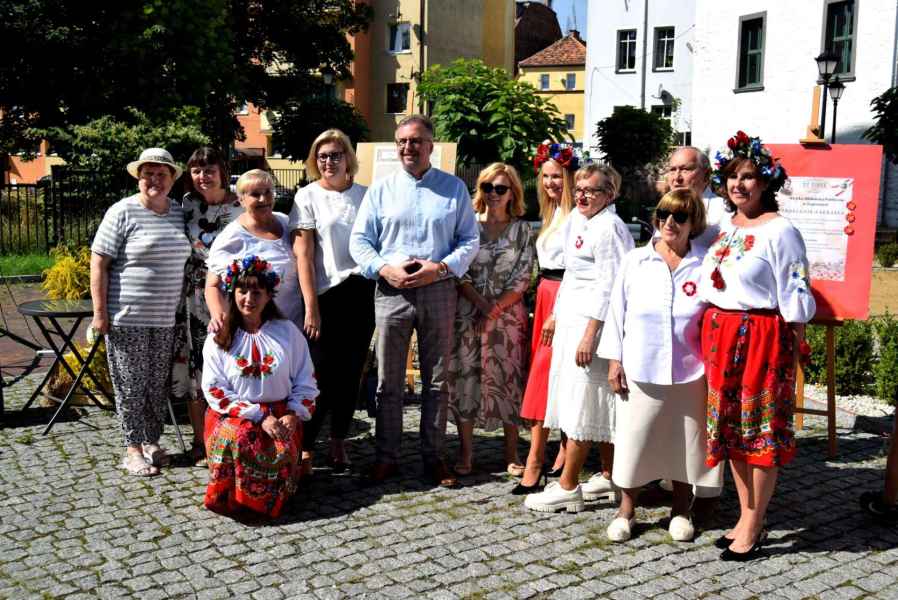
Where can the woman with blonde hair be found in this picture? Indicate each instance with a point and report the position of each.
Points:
(486, 371)
(339, 301)
(555, 164)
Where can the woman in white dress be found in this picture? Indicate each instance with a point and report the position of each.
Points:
(580, 402)
(652, 340)
(258, 231)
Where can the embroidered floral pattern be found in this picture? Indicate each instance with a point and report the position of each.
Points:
(578, 243)
(689, 288)
(798, 273)
(256, 366)
(727, 248)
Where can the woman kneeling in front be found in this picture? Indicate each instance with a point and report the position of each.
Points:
(652, 340)
(259, 383)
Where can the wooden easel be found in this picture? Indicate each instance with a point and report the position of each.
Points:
(830, 412)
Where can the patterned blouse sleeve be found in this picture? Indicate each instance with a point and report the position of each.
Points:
(220, 395)
(303, 389)
(793, 290)
(611, 245)
(518, 279)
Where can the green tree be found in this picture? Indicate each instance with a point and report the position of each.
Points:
(885, 129)
(299, 123)
(488, 113)
(66, 63)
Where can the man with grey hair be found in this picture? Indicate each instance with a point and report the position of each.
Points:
(689, 168)
(415, 232)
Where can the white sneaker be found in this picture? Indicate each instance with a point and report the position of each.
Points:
(681, 529)
(555, 498)
(665, 484)
(597, 487)
(620, 528)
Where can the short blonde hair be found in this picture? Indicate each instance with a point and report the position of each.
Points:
(516, 206)
(607, 171)
(338, 137)
(254, 176)
(683, 200)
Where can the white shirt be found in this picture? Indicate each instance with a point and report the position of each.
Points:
(760, 267)
(550, 246)
(331, 214)
(653, 325)
(235, 242)
(593, 251)
(267, 366)
(715, 214)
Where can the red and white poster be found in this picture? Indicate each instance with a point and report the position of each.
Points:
(832, 197)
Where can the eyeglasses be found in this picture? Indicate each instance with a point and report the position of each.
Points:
(685, 170)
(487, 188)
(679, 216)
(334, 157)
(589, 192)
(412, 141)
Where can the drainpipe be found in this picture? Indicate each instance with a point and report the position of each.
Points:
(645, 41)
(421, 47)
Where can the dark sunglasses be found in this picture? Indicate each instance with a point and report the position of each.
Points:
(679, 217)
(486, 187)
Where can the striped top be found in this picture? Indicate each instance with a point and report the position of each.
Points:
(148, 252)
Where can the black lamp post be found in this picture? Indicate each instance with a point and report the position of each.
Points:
(826, 65)
(836, 88)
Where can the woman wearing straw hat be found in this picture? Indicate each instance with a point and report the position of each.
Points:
(136, 273)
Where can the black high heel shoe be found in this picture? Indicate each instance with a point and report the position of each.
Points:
(750, 554)
(723, 542)
(522, 490)
(555, 472)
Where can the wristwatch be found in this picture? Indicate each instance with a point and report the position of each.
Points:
(442, 270)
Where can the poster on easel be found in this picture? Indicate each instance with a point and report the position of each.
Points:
(832, 197)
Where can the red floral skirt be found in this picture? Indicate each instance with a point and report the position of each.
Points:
(751, 387)
(249, 470)
(536, 393)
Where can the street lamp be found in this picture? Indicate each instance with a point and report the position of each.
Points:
(836, 88)
(826, 64)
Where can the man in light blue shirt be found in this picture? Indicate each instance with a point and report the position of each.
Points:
(415, 231)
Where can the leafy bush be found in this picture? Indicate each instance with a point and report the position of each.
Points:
(885, 370)
(887, 254)
(854, 356)
(69, 277)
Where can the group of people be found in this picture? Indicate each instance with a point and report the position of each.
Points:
(674, 357)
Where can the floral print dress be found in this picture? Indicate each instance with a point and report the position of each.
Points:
(487, 368)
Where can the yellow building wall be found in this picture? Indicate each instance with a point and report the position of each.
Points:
(498, 33)
(568, 102)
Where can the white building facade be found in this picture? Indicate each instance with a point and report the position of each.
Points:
(754, 70)
(639, 53)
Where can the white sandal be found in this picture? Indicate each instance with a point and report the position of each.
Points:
(156, 455)
(620, 529)
(138, 466)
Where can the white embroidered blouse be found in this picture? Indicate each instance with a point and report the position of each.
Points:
(550, 247)
(760, 267)
(593, 251)
(653, 325)
(267, 366)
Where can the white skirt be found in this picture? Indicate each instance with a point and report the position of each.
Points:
(660, 434)
(580, 402)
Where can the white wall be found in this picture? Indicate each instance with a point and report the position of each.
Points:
(606, 89)
(781, 111)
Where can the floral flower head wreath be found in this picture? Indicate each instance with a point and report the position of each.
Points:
(564, 154)
(250, 265)
(743, 146)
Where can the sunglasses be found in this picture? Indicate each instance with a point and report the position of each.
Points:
(679, 217)
(487, 187)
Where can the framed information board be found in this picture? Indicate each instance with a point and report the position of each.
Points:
(832, 197)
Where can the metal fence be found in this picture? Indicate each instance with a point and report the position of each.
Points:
(23, 225)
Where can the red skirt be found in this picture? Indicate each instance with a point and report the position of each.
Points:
(749, 364)
(249, 470)
(537, 391)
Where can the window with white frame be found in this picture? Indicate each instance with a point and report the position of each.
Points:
(397, 98)
(544, 81)
(626, 51)
(664, 49)
(570, 81)
(839, 34)
(570, 120)
(400, 37)
(750, 71)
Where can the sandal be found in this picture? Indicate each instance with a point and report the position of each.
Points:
(155, 455)
(198, 455)
(138, 466)
(515, 470)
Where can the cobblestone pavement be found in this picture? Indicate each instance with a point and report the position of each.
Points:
(73, 525)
